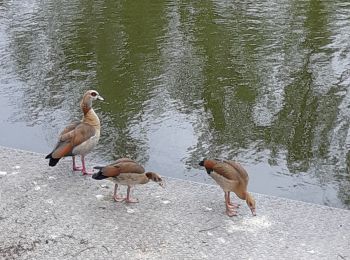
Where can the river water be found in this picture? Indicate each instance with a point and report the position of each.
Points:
(262, 82)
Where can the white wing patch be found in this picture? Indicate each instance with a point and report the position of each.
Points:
(87, 146)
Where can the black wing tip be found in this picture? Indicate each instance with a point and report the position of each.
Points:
(201, 163)
(53, 162)
(98, 176)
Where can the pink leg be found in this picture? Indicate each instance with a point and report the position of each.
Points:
(128, 199)
(233, 205)
(84, 171)
(229, 209)
(75, 168)
(115, 195)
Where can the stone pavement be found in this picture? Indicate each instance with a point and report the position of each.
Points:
(53, 213)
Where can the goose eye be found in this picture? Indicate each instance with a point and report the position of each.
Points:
(94, 94)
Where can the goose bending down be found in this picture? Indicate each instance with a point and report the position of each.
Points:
(127, 172)
(79, 138)
(231, 177)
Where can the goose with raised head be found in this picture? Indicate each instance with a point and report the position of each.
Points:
(79, 138)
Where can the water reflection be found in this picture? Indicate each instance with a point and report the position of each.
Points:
(264, 83)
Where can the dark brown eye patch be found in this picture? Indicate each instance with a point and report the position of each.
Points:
(94, 94)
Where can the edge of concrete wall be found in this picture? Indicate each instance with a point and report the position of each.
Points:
(54, 213)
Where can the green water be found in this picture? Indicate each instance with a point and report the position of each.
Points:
(262, 82)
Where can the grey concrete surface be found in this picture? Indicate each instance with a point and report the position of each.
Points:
(53, 213)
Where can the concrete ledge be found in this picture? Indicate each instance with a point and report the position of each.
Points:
(53, 213)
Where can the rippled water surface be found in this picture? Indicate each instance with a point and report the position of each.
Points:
(262, 82)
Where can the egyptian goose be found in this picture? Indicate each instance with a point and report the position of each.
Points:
(79, 138)
(230, 176)
(127, 172)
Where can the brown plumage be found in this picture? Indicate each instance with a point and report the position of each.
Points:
(231, 177)
(127, 172)
(79, 138)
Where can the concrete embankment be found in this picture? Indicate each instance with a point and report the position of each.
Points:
(54, 213)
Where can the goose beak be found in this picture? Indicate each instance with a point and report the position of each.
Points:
(100, 98)
(253, 212)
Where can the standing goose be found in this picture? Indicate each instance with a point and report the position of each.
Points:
(230, 176)
(79, 138)
(127, 172)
